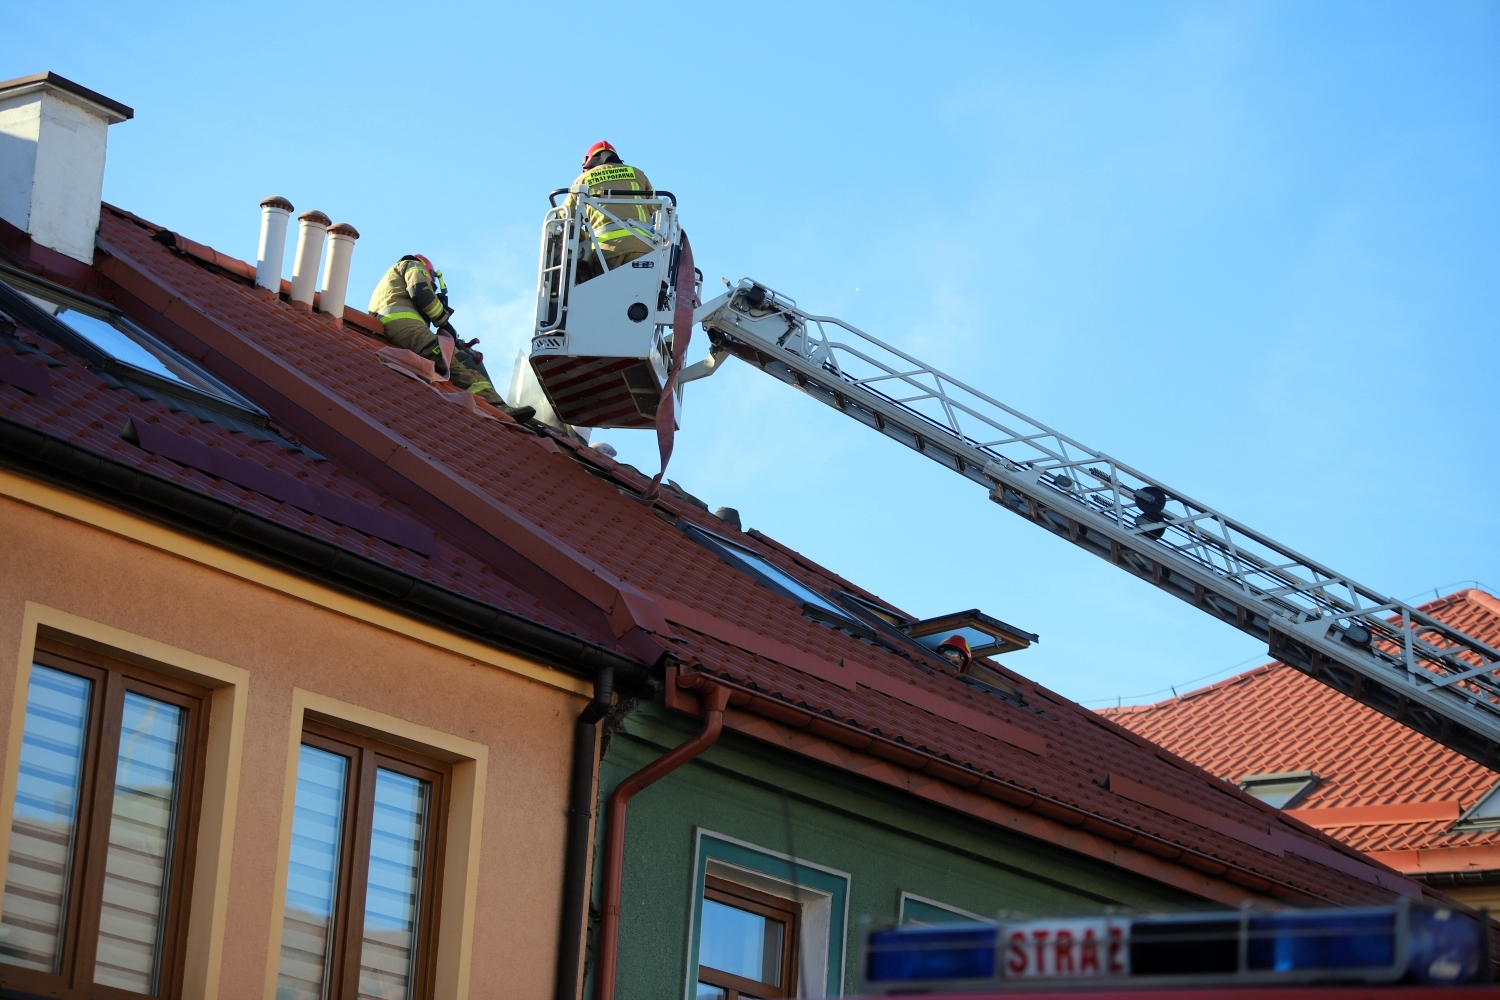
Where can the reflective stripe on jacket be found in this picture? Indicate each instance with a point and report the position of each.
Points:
(616, 178)
(406, 292)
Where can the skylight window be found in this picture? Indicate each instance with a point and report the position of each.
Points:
(986, 636)
(126, 349)
(1282, 789)
(759, 566)
(1484, 813)
(111, 338)
(870, 607)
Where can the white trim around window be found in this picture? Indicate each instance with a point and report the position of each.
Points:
(822, 894)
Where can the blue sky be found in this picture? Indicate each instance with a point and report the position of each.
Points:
(1247, 247)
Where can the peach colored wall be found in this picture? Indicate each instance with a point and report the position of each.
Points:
(1476, 895)
(286, 642)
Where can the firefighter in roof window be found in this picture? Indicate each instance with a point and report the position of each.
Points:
(955, 649)
(605, 174)
(411, 295)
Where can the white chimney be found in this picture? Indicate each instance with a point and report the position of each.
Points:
(336, 268)
(310, 233)
(52, 139)
(274, 212)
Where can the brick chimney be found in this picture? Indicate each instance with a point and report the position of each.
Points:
(52, 139)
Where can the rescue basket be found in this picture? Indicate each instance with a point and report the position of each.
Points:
(602, 345)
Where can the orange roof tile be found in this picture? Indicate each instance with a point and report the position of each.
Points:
(1381, 787)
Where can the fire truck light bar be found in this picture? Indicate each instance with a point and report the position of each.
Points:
(1402, 943)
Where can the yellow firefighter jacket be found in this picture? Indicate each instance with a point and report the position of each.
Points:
(615, 178)
(406, 292)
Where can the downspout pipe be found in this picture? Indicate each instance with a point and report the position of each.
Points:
(580, 815)
(715, 699)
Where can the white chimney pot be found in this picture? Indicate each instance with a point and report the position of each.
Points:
(274, 212)
(52, 139)
(313, 225)
(336, 263)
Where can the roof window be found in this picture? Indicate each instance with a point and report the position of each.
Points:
(109, 340)
(897, 627)
(856, 603)
(986, 636)
(758, 566)
(1282, 789)
(1484, 814)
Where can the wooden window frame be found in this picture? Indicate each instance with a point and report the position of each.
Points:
(111, 679)
(784, 911)
(366, 755)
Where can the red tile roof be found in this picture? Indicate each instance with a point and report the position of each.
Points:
(501, 500)
(50, 390)
(1381, 787)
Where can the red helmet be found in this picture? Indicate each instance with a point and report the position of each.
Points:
(425, 262)
(959, 645)
(597, 147)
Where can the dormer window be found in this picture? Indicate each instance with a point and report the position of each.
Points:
(1282, 789)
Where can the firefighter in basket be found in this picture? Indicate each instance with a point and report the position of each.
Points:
(605, 174)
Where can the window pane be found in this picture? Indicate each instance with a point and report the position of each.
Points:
(1277, 793)
(126, 342)
(140, 843)
(784, 579)
(740, 943)
(397, 845)
(1489, 808)
(312, 875)
(707, 992)
(45, 822)
(117, 343)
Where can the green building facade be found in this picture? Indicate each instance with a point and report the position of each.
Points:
(835, 847)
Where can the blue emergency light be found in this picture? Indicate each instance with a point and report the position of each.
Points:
(956, 952)
(1401, 943)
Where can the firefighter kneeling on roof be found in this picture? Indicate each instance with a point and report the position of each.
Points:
(410, 296)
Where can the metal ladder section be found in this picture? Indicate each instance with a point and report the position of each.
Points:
(1386, 654)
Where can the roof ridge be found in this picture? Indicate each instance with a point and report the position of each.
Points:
(1238, 678)
(1482, 599)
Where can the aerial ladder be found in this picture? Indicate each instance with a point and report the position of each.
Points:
(1379, 650)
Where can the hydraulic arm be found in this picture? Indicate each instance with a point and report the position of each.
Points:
(1381, 651)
